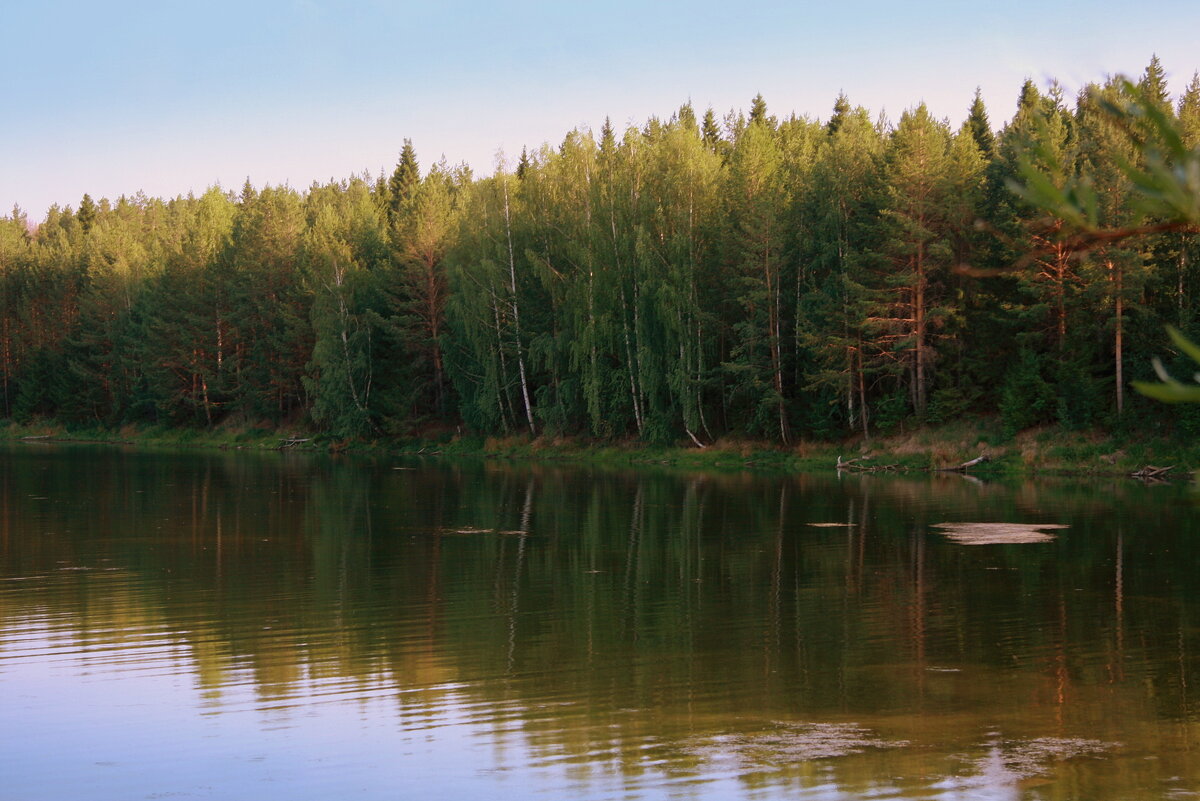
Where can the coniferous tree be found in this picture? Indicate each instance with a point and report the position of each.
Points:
(1153, 84)
(979, 127)
(1188, 113)
(403, 182)
(679, 281)
(424, 232)
(841, 109)
(758, 111)
(87, 213)
(269, 316)
(757, 198)
(843, 205)
(710, 131)
(921, 189)
(1116, 272)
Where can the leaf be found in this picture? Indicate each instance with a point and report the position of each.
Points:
(1184, 344)
(1172, 392)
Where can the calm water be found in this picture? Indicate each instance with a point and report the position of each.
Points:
(242, 626)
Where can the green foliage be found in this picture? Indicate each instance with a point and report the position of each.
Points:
(1026, 397)
(1172, 390)
(684, 280)
(1077, 397)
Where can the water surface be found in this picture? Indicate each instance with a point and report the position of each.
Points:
(233, 625)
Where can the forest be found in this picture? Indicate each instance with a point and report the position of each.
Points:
(696, 278)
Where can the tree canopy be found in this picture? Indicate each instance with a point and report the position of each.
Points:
(693, 277)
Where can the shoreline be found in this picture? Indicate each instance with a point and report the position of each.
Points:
(970, 447)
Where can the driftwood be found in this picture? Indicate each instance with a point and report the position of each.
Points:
(851, 464)
(1150, 471)
(857, 464)
(965, 466)
(290, 442)
(40, 436)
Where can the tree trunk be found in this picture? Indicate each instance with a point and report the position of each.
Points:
(512, 274)
(1119, 334)
(919, 328)
(502, 389)
(862, 391)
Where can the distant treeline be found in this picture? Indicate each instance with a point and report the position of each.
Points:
(690, 279)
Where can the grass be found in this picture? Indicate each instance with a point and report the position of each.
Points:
(1045, 450)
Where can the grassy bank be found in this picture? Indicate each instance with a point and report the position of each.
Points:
(1036, 451)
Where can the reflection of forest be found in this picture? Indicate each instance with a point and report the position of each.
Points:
(619, 618)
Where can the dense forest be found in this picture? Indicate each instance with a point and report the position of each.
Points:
(694, 278)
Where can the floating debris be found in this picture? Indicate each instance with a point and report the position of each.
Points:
(999, 533)
(1152, 472)
(1017, 766)
(785, 744)
(1031, 757)
(831, 525)
(466, 530)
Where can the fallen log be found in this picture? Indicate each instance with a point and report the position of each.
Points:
(1150, 471)
(962, 468)
(856, 464)
(852, 464)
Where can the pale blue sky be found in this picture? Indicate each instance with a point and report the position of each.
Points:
(169, 97)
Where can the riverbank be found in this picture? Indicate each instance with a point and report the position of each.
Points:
(1048, 451)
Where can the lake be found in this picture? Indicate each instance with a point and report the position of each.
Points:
(241, 625)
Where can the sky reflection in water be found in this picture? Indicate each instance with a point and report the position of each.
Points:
(226, 626)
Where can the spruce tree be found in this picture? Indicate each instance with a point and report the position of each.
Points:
(523, 164)
(404, 180)
(758, 111)
(87, 213)
(979, 127)
(841, 108)
(710, 131)
(1188, 113)
(686, 118)
(1153, 84)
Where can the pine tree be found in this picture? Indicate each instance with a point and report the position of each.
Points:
(1117, 274)
(843, 205)
(270, 330)
(920, 189)
(425, 235)
(1042, 132)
